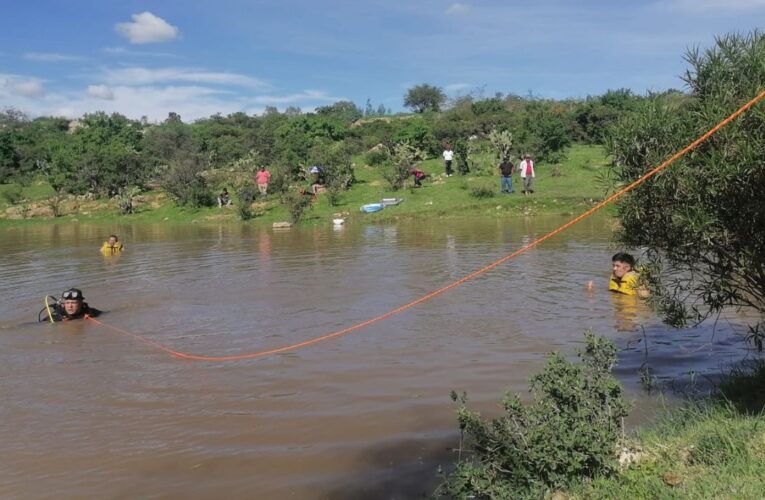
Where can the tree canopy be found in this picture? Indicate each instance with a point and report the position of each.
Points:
(424, 97)
(701, 221)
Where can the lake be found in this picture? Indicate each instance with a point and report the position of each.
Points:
(91, 412)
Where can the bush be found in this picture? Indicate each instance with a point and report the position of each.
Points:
(377, 157)
(280, 178)
(461, 152)
(125, 199)
(481, 192)
(13, 195)
(246, 193)
(296, 203)
(185, 184)
(396, 175)
(569, 432)
(55, 202)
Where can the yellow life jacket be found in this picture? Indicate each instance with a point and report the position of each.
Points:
(627, 285)
(107, 249)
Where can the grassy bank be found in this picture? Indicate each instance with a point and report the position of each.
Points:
(709, 449)
(575, 189)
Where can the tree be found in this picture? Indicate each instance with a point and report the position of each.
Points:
(701, 221)
(421, 98)
(462, 153)
(104, 156)
(9, 156)
(502, 142)
(344, 110)
(167, 141)
(185, 184)
(418, 133)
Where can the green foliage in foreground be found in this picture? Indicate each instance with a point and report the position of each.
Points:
(709, 449)
(570, 431)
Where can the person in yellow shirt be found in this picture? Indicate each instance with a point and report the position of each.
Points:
(624, 279)
(112, 245)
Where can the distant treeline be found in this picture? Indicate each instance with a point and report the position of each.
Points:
(103, 154)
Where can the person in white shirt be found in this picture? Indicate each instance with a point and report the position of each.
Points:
(448, 157)
(526, 167)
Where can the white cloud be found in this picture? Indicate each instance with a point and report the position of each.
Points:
(300, 97)
(21, 86)
(122, 51)
(192, 102)
(456, 9)
(146, 76)
(147, 28)
(51, 57)
(455, 87)
(101, 92)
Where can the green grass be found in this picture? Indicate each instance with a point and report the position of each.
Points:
(571, 193)
(709, 449)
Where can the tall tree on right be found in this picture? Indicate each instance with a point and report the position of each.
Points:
(424, 97)
(701, 221)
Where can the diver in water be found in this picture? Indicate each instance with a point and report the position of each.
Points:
(71, 306)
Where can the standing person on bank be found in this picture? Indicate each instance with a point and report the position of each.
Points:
(262, 178)
(527, 174)
(506, 169)
(448, 155)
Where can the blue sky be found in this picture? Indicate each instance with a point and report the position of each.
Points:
(197, 58)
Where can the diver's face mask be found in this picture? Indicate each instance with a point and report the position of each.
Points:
(72, 295)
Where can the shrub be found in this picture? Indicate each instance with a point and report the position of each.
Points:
(125, 199)
(481, 192)
(502, 142)
(396, 175)
(377, 157)
(13, 195)
(55, 202)
(570, 430)
(296, 203)
(280, 178)
(184, 183)
(461, 152)
(246, 193)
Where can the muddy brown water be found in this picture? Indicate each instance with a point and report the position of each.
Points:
(90, 413)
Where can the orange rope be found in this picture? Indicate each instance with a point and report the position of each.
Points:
(424, 298)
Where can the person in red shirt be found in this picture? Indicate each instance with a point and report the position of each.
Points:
(262, 178)
(526, 168)
(419, 175)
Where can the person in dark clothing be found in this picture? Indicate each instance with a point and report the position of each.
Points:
(506, 169)
(71, 306)
(224, 199)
